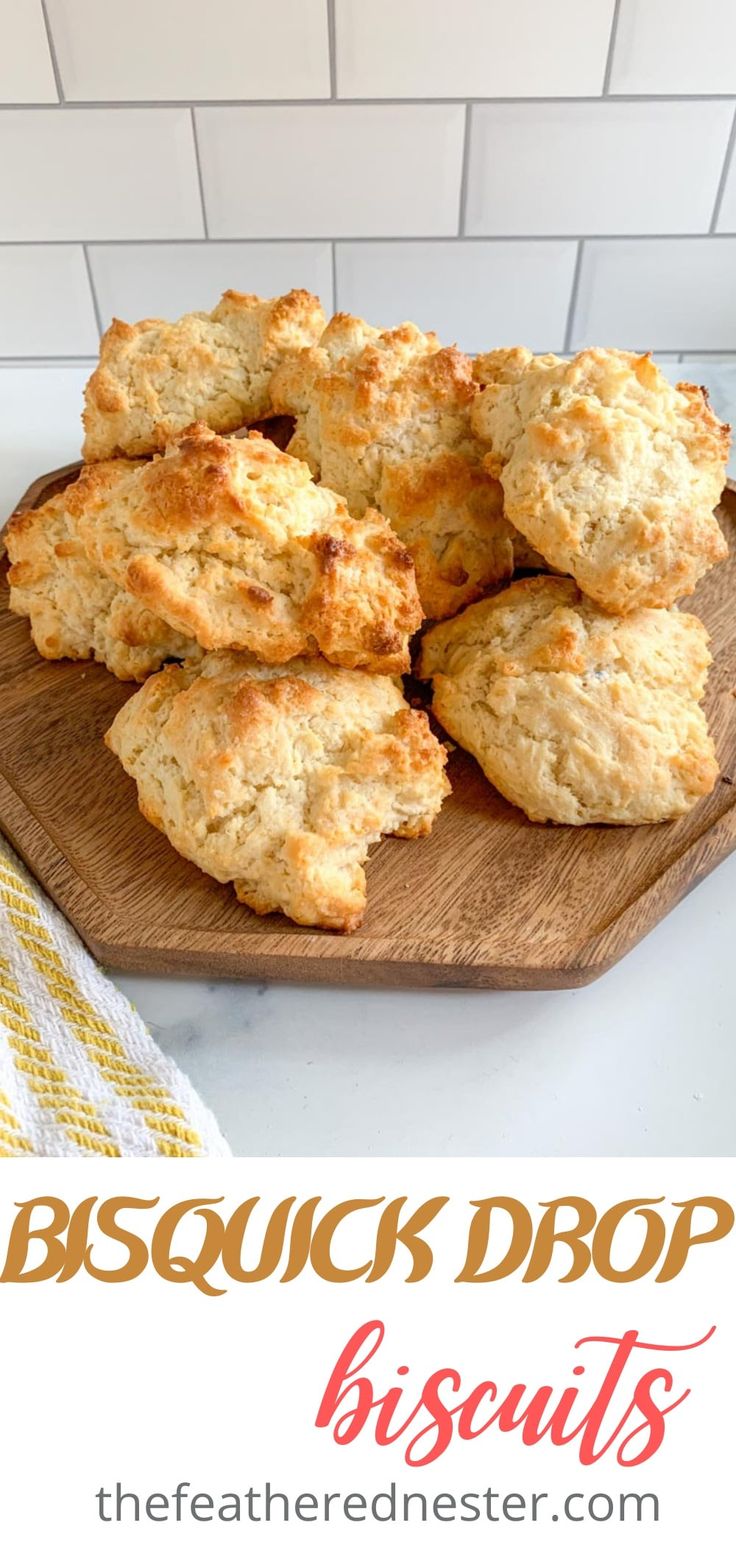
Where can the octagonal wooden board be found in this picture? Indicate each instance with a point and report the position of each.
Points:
(489, 900)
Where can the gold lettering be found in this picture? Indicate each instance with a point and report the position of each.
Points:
(479, 1238)
(683, 1237)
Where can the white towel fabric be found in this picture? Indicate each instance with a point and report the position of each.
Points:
(80, 1075)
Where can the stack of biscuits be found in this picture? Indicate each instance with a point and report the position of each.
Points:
(268, 598)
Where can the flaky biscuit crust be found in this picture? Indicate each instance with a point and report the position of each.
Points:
(608, 470)
(449, 514)
(155, 377)
(280, 778)
(575, 715)
(384, 419)
(232, 543)
(76, 612)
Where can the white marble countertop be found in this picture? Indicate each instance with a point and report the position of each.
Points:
(642, 1062)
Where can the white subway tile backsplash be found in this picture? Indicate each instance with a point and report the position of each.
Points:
(675, 46)
(727, 214)
(103, 173)
(331, 171)
(45, 302)
(657, 295)
(602, 167)
(476, 48)
(134, 281)
(38, 409)
(144, 51)
(475, 234)
(479, 295)
(26, 71)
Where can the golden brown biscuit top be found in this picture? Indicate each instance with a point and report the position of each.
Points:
(280, 778)
(155, 377)
(76, 611)
(591, 388)
(364, 399)
(545, 624)
(575, 715)
(227, 714)
(38, 539)
(233, 543)
(608, 470)
(341, 342)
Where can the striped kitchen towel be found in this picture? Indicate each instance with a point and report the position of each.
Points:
(80, 1075)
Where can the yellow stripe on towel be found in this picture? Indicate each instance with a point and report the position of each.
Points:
(175, 1137)
(46, 1080)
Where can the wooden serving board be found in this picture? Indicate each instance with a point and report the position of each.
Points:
(489, 900)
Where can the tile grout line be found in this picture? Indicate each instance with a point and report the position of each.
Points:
(464, 171)
(256, 102)
(52, 52)
(45, 361)
(721, 189)
(333, 248)
(91, 278)
(567, 345)
(606, 88)
(200, 179)
(332, 46)
(449, 239)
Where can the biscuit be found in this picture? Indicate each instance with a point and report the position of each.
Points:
(280, 778)
(155, 377)
(575, 715)
(384, 419)
(231, 543)
(608, 470)
(449, 514)
(75, 611)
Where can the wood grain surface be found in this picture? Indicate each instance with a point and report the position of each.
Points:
(488, 900)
